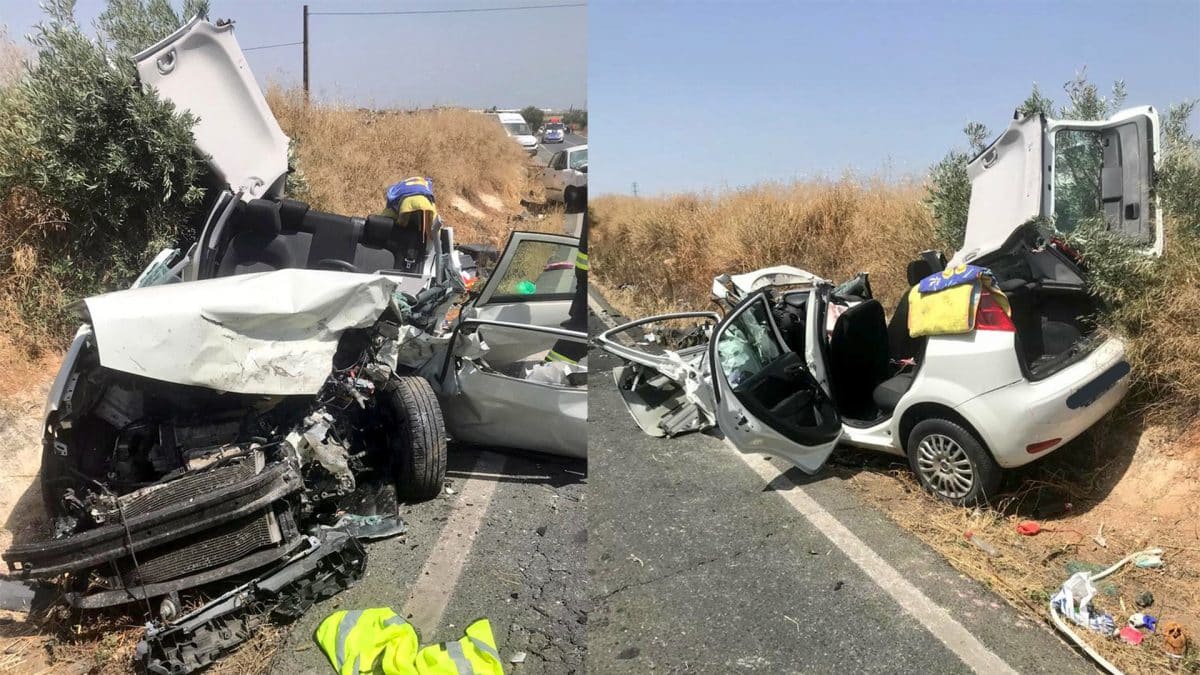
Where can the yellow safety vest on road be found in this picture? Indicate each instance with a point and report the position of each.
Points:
(376, 641)
(474, 654)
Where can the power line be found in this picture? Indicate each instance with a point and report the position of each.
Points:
(464, 10)
(282, 44)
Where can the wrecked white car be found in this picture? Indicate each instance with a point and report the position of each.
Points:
(234, 424)
(795, 365)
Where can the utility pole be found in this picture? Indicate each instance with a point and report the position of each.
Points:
(306, 53)
(635, 188)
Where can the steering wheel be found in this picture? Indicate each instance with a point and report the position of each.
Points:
(337, 265)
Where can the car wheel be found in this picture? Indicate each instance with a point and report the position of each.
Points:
(418, 437)
(570, 198)
(952, 463)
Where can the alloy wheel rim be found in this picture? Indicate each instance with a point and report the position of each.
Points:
(944, 465)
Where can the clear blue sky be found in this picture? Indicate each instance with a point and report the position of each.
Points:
(691, 96)
(508, 59)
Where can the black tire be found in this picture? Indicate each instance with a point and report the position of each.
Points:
(944, 476)
(571, 200)
(417, 437)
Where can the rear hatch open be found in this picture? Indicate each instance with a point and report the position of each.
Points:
(1043, 179)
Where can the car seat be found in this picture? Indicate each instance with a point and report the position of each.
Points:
(858, 354)
(255, 245)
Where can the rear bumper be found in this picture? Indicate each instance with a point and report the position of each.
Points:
(1062, 406)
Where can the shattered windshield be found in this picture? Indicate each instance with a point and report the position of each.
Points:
(517, 128)
(578, 160)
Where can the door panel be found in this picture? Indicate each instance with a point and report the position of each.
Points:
(1105, 170)
(767, 400)
(492, 403)
(533, 284)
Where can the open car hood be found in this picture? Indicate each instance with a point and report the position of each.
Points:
(201, 68)
(271, 333)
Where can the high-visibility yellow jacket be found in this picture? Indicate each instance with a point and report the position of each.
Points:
(380, 642)
(377, 641)
(474, 654)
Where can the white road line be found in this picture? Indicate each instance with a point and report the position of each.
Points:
(431, 593)
(932, 616)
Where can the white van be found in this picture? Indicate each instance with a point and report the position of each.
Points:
(517, 128)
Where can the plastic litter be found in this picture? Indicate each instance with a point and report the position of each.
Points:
(1074, 601)
(1132, 635)
(1174, 639)
(1028, 527)
(1148, 561)
(1099, 537)
(980, 543)
(1141, 620)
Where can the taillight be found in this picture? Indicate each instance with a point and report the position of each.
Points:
(991, 316)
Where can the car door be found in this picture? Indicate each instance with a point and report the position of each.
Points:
(554, 173)
(532, 406)
(767, 400)
(663, 380)
(533, 283)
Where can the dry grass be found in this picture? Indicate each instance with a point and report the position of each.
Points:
(658, 254)
(349, 157)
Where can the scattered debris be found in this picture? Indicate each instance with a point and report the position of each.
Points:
(1144, 599)
(1099, 537)
(519, 657)
(980, 543)
(1131, 635)
(1028, 528)
(794, 622)
(1141, 620)
(838, 585)
(1074, 601)
(1174, 639)
(1148, 561)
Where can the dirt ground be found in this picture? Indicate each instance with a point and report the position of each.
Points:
(1135, 488)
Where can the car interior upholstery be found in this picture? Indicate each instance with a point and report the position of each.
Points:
(271, 235)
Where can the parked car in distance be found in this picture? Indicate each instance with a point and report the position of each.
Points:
(566, 174)
(795, 365)
(518, 129)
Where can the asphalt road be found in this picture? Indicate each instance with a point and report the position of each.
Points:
(702, 562)
(546, 151)
(520, 564)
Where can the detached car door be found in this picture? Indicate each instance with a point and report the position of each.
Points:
(766, 398)
(533, 284)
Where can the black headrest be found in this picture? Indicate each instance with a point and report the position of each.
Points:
(377, 230)
(261, 216)
(862, 314)
(918, 270)
(292, 213)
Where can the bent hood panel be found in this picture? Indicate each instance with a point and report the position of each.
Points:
(271, 333)
(201, 68)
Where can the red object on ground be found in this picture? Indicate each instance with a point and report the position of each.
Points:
(1132, 635)
(1028, 528)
